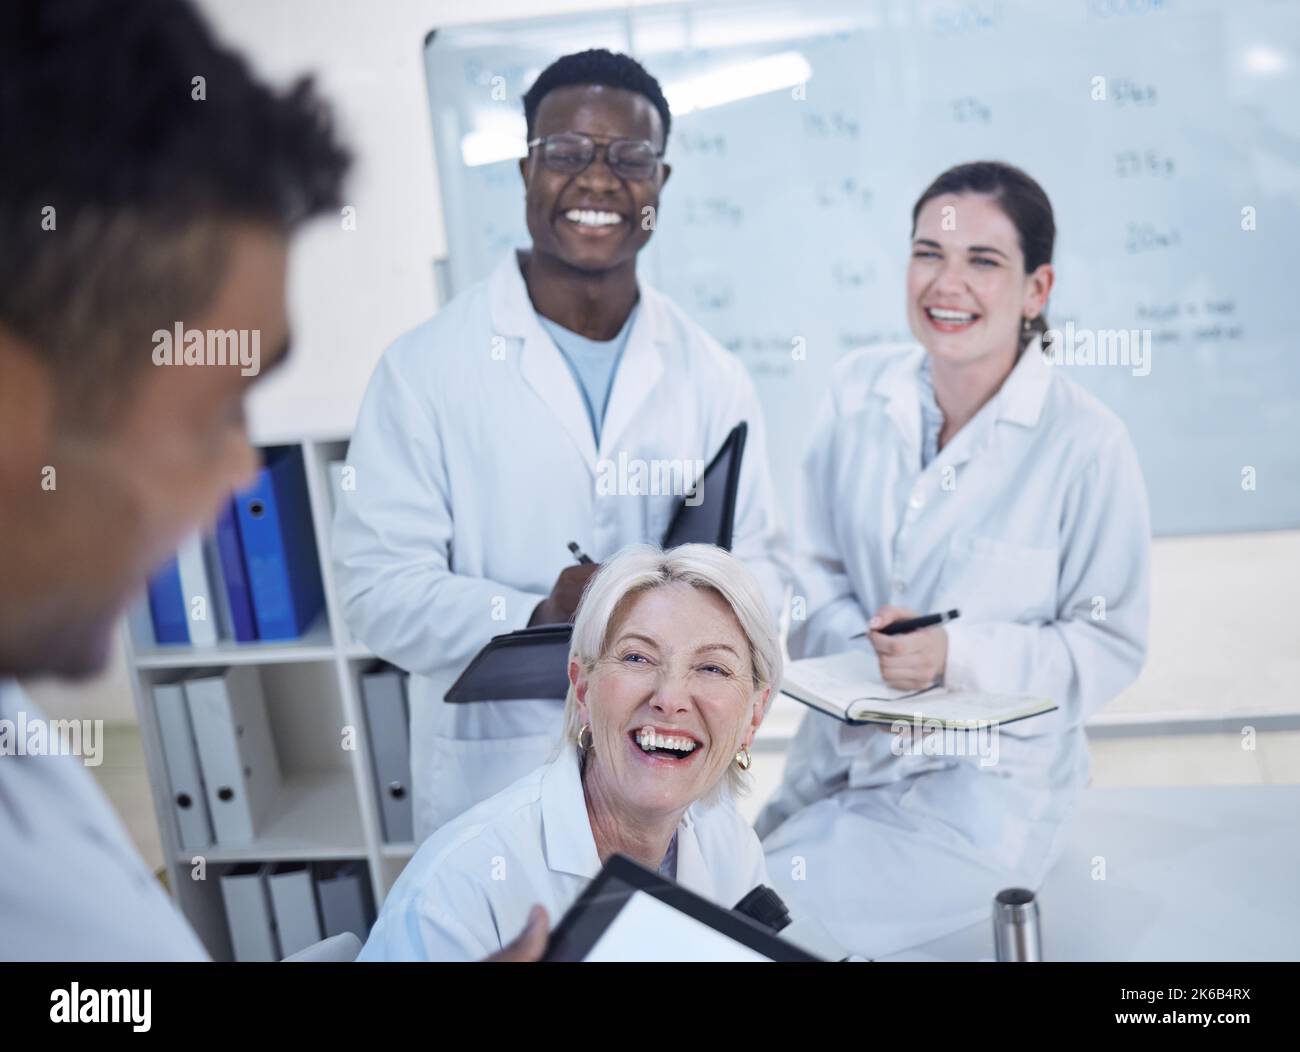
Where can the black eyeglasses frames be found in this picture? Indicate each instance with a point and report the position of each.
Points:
(569, 153)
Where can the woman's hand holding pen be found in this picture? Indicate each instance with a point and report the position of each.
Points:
(908, 662)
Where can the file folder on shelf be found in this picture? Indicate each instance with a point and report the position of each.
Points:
(181, 758)
(344, 894)
(234, 578)
(275, 527)
(248, 912)
(241, 771)
(293, 904)
(200, 607)
(167, 608)
(383, 697)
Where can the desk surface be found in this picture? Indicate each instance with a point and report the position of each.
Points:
(1190, 874)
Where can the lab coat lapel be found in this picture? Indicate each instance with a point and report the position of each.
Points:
(541, 363)
(638, 372)
(1022, 395)
(1018, 401)
(693, 871)
(566, 829)
(898, 385)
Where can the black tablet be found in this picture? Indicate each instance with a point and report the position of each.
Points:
(708, 514)
(628, 913)
(530, 663)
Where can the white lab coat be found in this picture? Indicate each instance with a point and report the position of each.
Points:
(72, 886)
(468, 890)
(476, 466)
(1033, 522)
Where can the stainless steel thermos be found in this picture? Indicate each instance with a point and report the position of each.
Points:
(1015, 926)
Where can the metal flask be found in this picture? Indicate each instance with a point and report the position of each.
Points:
(1015, 926)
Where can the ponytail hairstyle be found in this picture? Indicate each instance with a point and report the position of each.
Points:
(1022, 200)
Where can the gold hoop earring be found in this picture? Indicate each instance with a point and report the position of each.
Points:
(585, 729)
(743, 760)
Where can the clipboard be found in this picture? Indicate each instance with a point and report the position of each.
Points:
(711, 521)
(530, 663)
(534, 662)
(628, 913)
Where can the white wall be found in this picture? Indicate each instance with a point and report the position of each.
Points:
(353, 292)
(1223, 636)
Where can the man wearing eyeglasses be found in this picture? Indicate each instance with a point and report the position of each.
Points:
(562, 400)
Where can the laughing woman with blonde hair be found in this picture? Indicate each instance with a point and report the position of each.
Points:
(673, 661)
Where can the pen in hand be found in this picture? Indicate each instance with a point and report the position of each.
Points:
(579, 554)
(911, 624)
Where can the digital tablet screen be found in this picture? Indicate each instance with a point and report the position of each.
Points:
(628, 913)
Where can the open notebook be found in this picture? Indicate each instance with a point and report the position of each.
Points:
(840, 686)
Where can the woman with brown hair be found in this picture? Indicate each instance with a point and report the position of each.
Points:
(963, 471)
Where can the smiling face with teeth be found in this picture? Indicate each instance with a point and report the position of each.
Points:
(592, 221)
(967, 290)
(670, 701)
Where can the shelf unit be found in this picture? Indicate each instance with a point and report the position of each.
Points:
(327, 809)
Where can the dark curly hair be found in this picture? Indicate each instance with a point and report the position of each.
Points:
(123, 174)
(596, 66)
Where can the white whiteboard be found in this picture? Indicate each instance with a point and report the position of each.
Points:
(787, 214)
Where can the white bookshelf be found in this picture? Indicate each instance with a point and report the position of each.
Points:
(327, 810)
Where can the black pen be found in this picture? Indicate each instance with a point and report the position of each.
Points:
(898, 628)
(579, 554)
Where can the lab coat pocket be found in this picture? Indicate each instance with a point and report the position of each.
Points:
(467, 771)
(993, 580)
